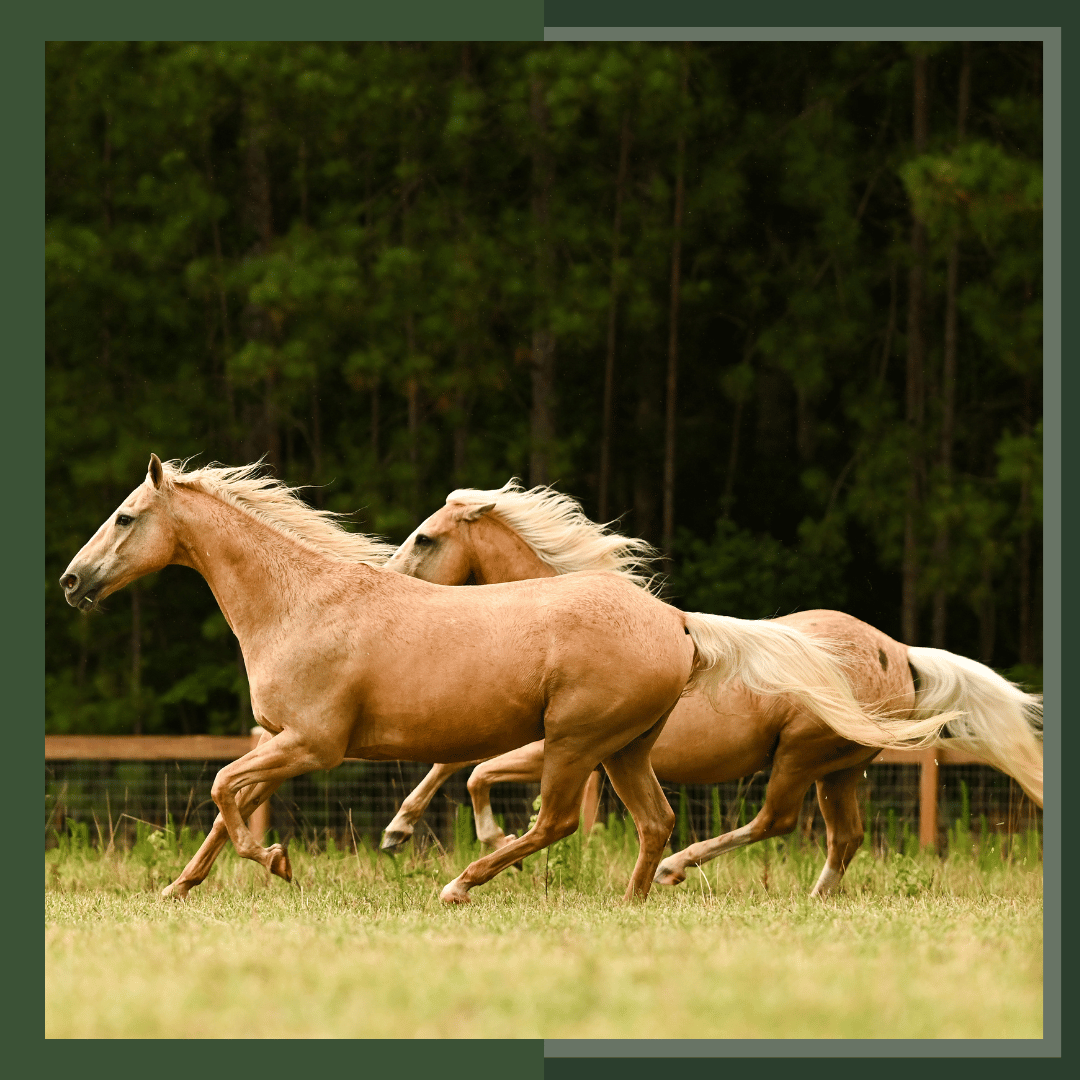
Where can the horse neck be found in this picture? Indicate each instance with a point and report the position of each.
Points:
(499, 554)
(257, 575)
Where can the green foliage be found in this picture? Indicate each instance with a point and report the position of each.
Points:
(331, 253)
(755, 576)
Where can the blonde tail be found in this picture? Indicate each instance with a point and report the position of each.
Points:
(771, 658)
(996, 721)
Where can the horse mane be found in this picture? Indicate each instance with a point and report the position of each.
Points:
(271, 501)
(556, 528)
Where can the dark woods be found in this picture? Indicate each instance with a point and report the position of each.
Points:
(779, 305)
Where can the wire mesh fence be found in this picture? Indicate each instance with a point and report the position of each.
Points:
(358, 799)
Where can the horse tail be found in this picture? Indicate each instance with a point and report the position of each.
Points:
(772, 658)
(996, 720)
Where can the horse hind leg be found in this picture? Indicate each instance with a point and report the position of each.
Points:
(416, 802)
(524, 765)
(631, 775)
(561, 789)
(590, 805)
(838, 799)
(780, 814)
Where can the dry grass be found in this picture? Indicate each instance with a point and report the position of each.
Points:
(359, 946)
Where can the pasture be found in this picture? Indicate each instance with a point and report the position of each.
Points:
(912, 946)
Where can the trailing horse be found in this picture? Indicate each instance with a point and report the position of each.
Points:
(725, 728)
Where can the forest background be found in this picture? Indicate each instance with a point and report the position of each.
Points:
(776, 306)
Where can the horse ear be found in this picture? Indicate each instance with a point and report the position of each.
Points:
(475, 512)
(154, 470)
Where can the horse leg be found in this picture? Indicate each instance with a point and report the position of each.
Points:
(780, 814)
(287, 754)
(250, 799)
(634, 781)
(524, 765)
(838, 799)
(199, 866)
(416, 802)
(591, 803)
(562, 786)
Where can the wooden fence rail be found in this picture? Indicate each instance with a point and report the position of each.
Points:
(230, 747)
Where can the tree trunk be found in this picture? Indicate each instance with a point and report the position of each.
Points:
(136, 655)
(668, 527)
(647, 427)
(609, 363)
(260, 217)
(1028, 653)
(915, 375)
(542, 360)
(542, 370)
(987, 615)
(316, 442)
(375, 421)
(244, 717)
(412, 394)
(728, 498)
(461, 438)
(948, 378)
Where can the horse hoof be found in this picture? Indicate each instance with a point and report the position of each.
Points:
(666, 875)
(174, 891)
(454, 894)
(391, 841)
(279, 863)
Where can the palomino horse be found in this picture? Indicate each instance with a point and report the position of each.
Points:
(345, 659)
(510, 534)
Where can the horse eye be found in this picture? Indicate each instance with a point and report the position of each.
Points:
(124, 519)
(423, 541)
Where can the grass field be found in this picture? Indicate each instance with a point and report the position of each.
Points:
(914, 946)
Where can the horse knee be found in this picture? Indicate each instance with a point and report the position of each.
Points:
(477, 784)
(559, 828)
(776, 824)
(219, 789)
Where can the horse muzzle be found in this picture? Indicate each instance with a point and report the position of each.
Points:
(77, 592)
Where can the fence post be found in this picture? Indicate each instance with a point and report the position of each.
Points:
(259, 823)
(928, 797)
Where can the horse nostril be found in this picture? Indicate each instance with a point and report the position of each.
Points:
(69, 581)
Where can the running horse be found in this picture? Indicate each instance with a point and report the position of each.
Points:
(345, 659)
(509, 534)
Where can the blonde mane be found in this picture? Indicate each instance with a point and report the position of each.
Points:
(271, 501)
(556, 528)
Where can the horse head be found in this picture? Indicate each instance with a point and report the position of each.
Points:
(137, 539)
(439, 550)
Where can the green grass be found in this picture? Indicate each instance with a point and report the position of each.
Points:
(360, 946)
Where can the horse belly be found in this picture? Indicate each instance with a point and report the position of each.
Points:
(448, 723)
(703, 744)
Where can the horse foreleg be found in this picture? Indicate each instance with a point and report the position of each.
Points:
(199, 866)
(524, 765)
(838, 799)
(250, 799)
(416, 802)
(287, 754)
